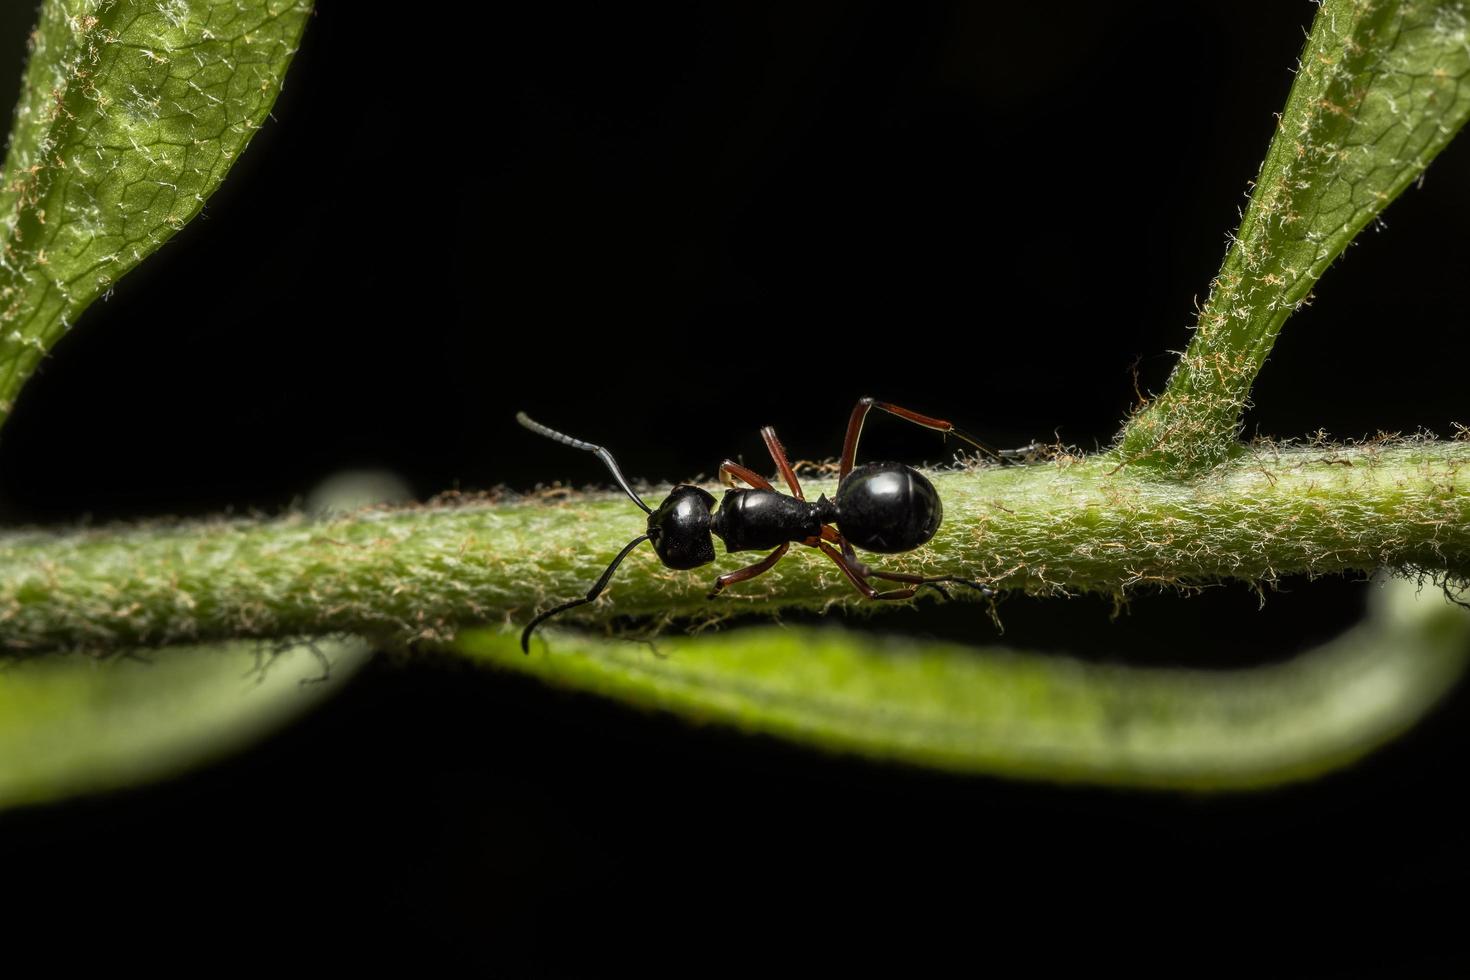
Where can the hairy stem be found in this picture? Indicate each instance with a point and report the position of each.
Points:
(420, 573)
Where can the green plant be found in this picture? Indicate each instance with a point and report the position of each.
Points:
(1179, 500)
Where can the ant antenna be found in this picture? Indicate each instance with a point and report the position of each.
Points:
(612, 466)
(593, 593)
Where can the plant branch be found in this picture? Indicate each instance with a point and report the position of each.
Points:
(420, 573)
(1379, 92)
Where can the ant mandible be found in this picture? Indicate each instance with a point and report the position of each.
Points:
(886, 508)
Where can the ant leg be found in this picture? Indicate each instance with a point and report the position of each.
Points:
(933, 581)
(778, 453)
(860, 413)
(853, 567)
(748, 572)
(848, 552)
(833, 536)
(854, 430)
(867, 571)
(858, 579)
(730, 471)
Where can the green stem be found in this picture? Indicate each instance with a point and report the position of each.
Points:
(421, 573)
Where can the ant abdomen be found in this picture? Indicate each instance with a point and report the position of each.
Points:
(888, 508)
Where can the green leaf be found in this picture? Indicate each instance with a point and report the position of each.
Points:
(1035, 716)
(1381, 88)
(130, 115)
(71, 724)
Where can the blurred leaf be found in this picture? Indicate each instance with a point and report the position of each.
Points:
(130, 115)
(72, 724)
(1043, 717)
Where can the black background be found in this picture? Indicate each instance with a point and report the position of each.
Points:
(661, 227)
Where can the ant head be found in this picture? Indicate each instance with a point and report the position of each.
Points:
(679, 529)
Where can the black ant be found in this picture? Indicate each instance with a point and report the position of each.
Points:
(885, 508)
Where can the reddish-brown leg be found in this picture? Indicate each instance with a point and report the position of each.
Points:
(730, 471)
(828, 534)
(778, 453)
(860, 412)
(748, 572)
(854, 567)
(859, 581)
(936, 582)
